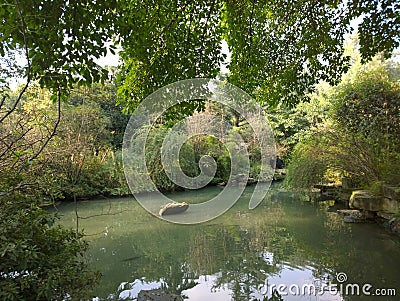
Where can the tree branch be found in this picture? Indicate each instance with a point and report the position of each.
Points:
(207, 20)
(28, 75)
(2, 101)
(53, 133)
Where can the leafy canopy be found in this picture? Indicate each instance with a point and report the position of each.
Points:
(280, 49)
(58, 40)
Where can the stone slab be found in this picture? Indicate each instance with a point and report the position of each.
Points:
(385, 215)
(365, 200)
(356, 216)
(391, 192)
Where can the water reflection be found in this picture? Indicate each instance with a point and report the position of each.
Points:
(242, 255)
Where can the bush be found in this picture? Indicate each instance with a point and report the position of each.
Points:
(307, 165)
(334, 152)
(38, 260)
(361, 139)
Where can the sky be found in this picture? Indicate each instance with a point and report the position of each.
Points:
(109, 60)
(113, 59)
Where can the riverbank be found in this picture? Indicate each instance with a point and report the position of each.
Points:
(365, 206)
(279, 175)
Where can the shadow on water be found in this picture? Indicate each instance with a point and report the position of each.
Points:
(287, 243)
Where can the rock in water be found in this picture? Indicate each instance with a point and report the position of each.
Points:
(157, 295)
(365, 200)
(351, 216)
(173, 208)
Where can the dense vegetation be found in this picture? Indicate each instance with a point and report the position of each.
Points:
(61, 133)
(39, 260)
(358, 139)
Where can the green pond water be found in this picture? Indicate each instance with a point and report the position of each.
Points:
(300, 248)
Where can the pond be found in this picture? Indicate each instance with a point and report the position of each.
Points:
(299, 248)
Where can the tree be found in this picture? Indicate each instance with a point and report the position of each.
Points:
(24, 134)
(58, 40)
(360, 140)
(164, 41)
(103, 96)
(53, 44)
(38, 260)
(291, 125)
(368, 108)
(280, 49)
(370, 105)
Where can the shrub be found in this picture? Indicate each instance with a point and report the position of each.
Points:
(39, 260)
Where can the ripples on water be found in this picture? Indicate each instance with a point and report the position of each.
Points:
(288, 243)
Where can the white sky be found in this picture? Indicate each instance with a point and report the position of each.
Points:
(113, 59)
(109, 60)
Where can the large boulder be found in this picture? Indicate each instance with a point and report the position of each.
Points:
(365, 200)
(391, 192)
(395, 226)
(355, 216)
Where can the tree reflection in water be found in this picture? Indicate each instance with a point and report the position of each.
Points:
(239, 256)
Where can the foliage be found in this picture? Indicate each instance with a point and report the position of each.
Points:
(103, 97)
(40, 261)
(369, 109)
(308, 165)
(280, 49)
(49, 44)
(100, 174)
(362, 140)
(83, 160)
(166, 41)
(23, 135)
(303, 45)
(191, 153)
(153, 160)
(370, 106)
(187, 160)
(292, 125)
(59, 40)
(211, 146)
(379, 32)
